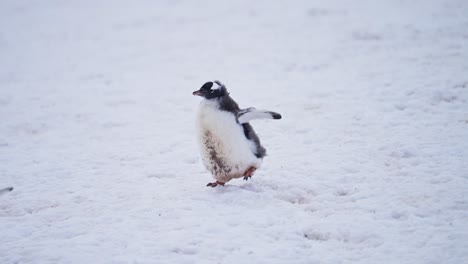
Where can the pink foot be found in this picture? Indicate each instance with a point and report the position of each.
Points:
(248, 174)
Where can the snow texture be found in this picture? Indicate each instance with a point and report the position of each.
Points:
(97, 136)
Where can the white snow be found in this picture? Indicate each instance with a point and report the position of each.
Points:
(97, 135)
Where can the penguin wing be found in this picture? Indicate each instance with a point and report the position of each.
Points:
(246, 115)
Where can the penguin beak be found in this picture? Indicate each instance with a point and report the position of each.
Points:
(199, 93)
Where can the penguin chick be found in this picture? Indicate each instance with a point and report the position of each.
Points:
(229, 146)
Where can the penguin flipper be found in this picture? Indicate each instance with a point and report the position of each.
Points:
(246, 115)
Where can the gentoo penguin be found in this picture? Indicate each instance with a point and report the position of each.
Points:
(228, 143)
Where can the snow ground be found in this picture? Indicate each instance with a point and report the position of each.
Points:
(368, 165)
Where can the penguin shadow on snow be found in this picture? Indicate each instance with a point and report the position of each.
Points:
(293, 195)
(245, 187)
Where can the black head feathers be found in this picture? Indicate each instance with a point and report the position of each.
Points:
(211, 90)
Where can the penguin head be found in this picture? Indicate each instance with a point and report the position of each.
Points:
(212, 90)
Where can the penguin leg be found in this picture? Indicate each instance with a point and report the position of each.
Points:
(214, 184)
(248, 174)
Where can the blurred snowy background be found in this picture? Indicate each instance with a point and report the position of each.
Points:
(368, 165)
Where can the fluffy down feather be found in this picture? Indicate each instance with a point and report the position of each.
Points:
(225, 150)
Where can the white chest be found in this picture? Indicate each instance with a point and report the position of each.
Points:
(225, 150)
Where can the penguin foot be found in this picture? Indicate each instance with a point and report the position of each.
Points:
(248, 174)
(214, 184)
